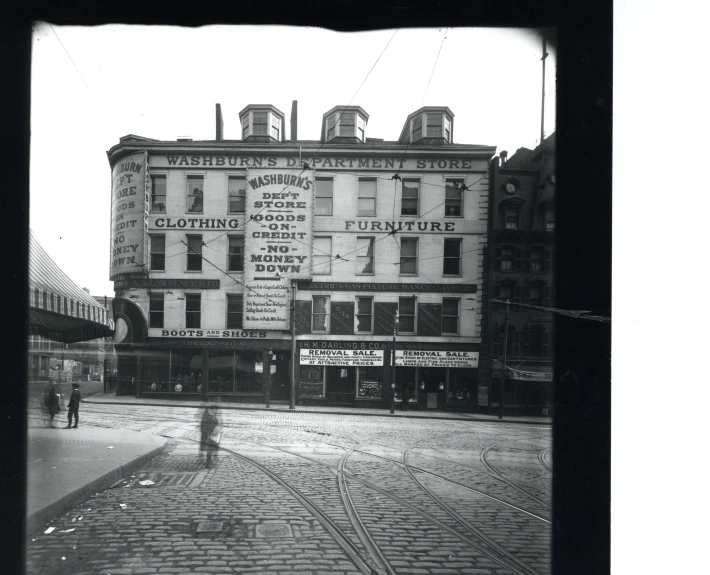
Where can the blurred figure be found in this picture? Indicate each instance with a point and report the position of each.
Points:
(52, 405)
(210, 434)
(74, 402)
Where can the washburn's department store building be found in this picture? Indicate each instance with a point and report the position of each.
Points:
(189, 233)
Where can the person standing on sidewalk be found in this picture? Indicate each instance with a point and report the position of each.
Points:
(52, 405)
(73, 406)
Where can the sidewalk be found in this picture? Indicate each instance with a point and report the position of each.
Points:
(111, 399)
(66, 466)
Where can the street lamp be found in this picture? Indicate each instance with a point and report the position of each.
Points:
(394, 357)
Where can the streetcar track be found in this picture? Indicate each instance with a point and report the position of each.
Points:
(542, 459)
(503, 478)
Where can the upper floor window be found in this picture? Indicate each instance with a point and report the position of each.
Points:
(512, 217)
(535, 259)
(454, 198)
(260, 124)
(366, 197)
(195, 194)
(363, 314)
(507, 258)
(194, 253)
(330, 127)
(407, 314)
(452, 257)
(245, 126)
(447, 129)
(158, 194)
(234, 311)
(410, 197)
(276, 127)
(550, 219)
(192, 310)
(347, 124)
(157, 309)
(417, 129)
(157, 252)
(361, 128)
(535, 342)
(324, 197)
(237, 194)
(408, 256)
(365, 256)
(321, 314)
(235, 257)
(433, 125)
(322, 255)
(450, 315)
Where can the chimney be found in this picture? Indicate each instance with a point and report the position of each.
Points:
(503, 157)
(220, 124)
(294, 120)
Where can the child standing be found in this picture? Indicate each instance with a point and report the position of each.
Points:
(73, 406)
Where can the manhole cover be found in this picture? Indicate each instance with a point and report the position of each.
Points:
(210, 526)
(274, 530)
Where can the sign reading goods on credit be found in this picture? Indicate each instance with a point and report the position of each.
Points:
(128, 208)
(277, 243)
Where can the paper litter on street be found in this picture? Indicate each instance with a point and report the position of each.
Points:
(110, 447)
(50, 529)
(67, 530)
(147, 482)
(123, 505)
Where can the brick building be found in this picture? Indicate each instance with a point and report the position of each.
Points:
(211, 241)
(522, 256)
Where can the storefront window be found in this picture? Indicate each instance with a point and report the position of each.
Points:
(369, 385)
(311, 382)
(406, 378)
(462, 385)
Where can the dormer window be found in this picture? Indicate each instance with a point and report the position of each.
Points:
(262, 123)
(431, 125)
(345, 124)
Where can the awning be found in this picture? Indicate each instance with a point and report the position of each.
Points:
(59, 309)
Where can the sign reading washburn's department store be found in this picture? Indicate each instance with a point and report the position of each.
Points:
(277, 243)
(400, 287)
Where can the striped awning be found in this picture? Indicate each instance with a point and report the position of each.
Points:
(59, 309)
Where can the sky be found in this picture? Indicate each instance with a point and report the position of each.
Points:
(93, 85)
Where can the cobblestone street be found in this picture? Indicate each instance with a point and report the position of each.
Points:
(313, 493)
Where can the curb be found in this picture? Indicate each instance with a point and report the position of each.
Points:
(223, 405)
(81, 494)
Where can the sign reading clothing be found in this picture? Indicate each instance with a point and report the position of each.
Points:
(338, 357)
(407, 358)
(128, 207)
(278, 243)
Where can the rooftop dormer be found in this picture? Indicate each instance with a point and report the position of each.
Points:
(344, 125)
(262, 123)
(429, 125)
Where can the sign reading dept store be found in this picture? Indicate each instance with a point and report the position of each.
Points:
(409, 358)
(277, 243)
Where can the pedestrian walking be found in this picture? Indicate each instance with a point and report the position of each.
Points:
(73, 406)
(210, 434)
(52, 405)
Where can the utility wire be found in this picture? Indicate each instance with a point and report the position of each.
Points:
(434, 68)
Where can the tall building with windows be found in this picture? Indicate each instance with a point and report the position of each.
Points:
(521, 264)
(220, 247)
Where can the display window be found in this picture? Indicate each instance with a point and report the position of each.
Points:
(311, 381)
(369, 383)
(463, 385)
(406, 378)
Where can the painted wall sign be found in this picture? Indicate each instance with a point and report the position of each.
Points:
(238, 344)
(401, 225)
(408, 358)
(402, 287)
(347, 357)
(128, 208)
(320, 162)
(341, 316)
(429, 319)
(215, 333)
(335, 344)
(157, 283)
(169, 223)
(278, 243)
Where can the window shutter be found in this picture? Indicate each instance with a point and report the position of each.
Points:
(545, 344)
(546, 301)
(516, 259)
(526, 261)
(497, 257)
(547, 262)
(526, 343)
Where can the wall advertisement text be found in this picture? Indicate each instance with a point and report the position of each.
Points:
(342, 357)
(459, 359)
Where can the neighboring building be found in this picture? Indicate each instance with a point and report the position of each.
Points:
(67, 325)
(522, 266)
(209, 240)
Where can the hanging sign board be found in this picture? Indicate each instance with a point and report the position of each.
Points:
(338, 357)
(278, 243)
(408, 358)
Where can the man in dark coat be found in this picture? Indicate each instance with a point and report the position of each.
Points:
(207, 427)
(52, 405)
(73, 406)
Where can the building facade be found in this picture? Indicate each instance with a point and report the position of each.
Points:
(229, 254)
(521, 270)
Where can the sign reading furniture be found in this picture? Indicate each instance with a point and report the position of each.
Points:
(278, 243)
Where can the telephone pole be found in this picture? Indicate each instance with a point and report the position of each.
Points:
(505, 360)
(394, 358)
(292, 404)
(542, 119)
